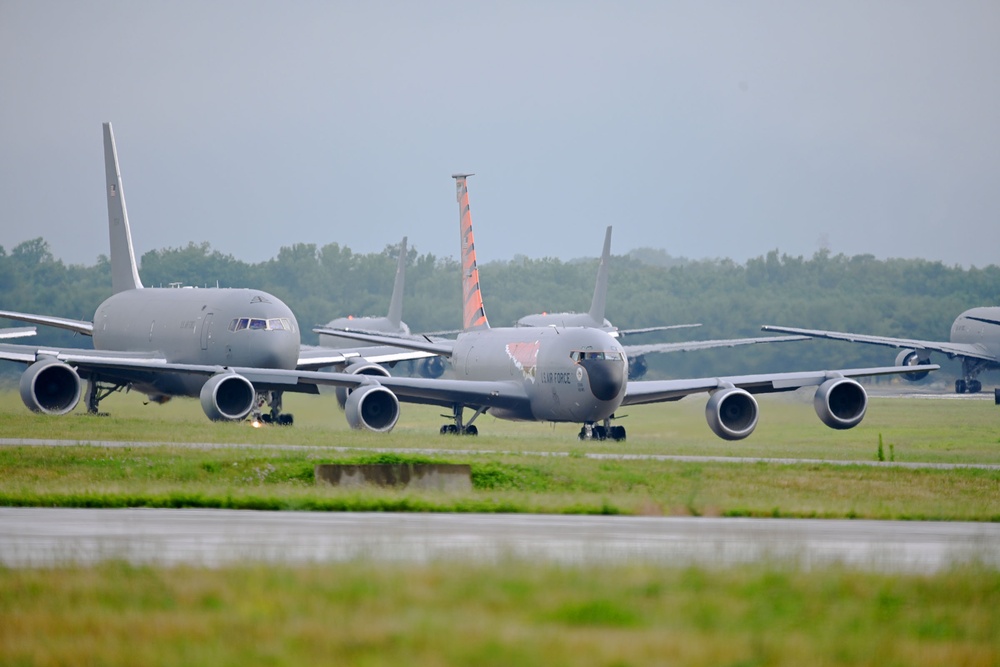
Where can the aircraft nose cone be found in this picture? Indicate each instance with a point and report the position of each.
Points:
(606, 377)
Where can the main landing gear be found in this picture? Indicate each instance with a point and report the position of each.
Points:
(603, 431)
(460, 428)
(970, 371)
(274, 416)
(970, 386)
(97, 392)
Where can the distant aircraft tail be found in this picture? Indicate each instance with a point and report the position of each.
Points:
(597, 306)
(473, 313)
(124, 271)
(396, 302)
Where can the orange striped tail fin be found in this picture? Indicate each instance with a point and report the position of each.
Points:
(473, 313)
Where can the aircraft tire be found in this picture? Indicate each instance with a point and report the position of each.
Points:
(617, 433)
(975, 386)
(471, 429)
(960, 386)
(285, 420)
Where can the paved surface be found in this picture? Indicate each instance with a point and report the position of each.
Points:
(44, 536)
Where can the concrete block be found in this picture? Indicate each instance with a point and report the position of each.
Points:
(424, 476)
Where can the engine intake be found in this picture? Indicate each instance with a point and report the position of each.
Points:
(731, 413)
(431, 367)
(841, 403)
(51, 387)
(358, 367)
(912, 358)
(227, 397)
(372, 407)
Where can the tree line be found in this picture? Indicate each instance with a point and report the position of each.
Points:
(910, 298)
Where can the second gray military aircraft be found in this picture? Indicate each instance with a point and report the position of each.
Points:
(570, 374)
(975, 339)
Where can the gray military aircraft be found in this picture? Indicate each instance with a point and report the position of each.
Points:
(569, 374)
(392, 324)
(595, 318)
(165, 342)
(975, 339)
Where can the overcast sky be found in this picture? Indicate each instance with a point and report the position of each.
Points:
(708, 129)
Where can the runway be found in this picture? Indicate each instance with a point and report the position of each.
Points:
(46, 536)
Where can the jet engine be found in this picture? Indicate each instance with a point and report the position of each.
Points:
(431, 367)
(227, 397)
(841, 403)
(50, 386)
(358, 367)
(912, 358)
(372, 407)
(637, 367)
(731, 413)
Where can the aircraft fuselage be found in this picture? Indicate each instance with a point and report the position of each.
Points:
(570, 375)
(978, 326)
(212, 326)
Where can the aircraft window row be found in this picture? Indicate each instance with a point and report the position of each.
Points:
(260, 324)
(590, 354)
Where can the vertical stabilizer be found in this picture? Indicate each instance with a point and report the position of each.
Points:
(124, 272)
(601, 288)
(396, 302)
(473, 313)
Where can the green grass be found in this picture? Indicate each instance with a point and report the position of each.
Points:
(511, 613)
(519, 480)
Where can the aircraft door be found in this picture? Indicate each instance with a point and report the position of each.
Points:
(206, 330)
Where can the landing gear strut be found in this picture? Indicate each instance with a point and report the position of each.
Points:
(459, 428)
(97, 392)
(970, 371)
(602, 431)
(274, 416)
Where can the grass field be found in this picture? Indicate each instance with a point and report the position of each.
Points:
(508, 614)
(456, 613)
(508, 472)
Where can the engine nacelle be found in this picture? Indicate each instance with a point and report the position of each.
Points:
(227, 397)
(637, 367)
(431, 367)
(731, 413)
(912, 358)
(841, 403)
(372, 407)
(50, 386)
(358, 367)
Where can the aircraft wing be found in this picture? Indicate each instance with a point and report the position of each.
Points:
(436, 391)
(655, 391)
(17, 332)
(312, 357)
(668, 327)
(438, 347)
(636, 350)
(79, 326)
(950, 349)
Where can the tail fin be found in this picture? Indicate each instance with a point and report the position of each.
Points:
(124, 272)
(473, 313)
(597, 306)
(396, 302)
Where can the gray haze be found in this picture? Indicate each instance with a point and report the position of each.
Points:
(706, 129)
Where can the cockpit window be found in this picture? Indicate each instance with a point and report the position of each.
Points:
(260, 324)
(580, 355)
